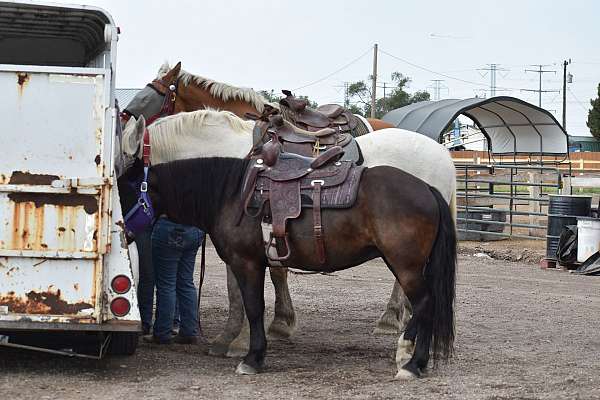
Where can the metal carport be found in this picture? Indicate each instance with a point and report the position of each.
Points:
(510, 125)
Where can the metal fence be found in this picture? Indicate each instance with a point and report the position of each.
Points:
(504, 200)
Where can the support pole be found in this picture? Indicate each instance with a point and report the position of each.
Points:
(374, 88)
(564, 113)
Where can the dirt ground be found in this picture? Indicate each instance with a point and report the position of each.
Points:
(522, 333)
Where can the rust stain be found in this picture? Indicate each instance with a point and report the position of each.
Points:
(22, 80)
(48, 302)
(76, 286)
(26, 178)
(28, 227)
(87, 201)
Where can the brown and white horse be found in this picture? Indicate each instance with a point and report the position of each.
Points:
(412, 152)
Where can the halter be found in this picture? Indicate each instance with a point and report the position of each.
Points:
(169, 92)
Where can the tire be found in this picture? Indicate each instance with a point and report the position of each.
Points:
(123, 343)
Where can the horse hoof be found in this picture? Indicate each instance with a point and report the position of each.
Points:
(217, 350)
(236, 352)
(405, 375)
(245, 369)
(385, 330)
(280, 330)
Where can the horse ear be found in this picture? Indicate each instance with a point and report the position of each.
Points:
(140, 126)
(175, 70)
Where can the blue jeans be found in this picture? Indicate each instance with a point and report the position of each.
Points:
(174, 249)
(145, 290)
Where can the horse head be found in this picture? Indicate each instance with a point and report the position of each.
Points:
(149, 101)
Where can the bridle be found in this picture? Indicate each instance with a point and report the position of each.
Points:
(168, 91)
(142, 213)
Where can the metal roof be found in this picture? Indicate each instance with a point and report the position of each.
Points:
(511, 125)
(124, 96)
(40, 33)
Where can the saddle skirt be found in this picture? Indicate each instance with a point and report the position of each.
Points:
(279, 192)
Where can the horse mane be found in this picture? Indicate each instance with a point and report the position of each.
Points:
(193, 191)
(219, 90)
(187, 124)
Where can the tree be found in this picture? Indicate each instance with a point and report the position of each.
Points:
(398, 97)
(273, 97)
(593, 121)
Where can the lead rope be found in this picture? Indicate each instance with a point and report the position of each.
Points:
(202, 270)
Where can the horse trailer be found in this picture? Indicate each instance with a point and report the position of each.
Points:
(66, 280)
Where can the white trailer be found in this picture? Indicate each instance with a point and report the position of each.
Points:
(64, 261)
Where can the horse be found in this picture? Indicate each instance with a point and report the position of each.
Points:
(403, 149)
(192, 92)
(376, 150)
(396, 216)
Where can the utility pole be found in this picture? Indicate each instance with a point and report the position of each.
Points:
(374, 88)
(564, 119)
(346, 95)
(540, 71)
(437, 86)
(492, 69)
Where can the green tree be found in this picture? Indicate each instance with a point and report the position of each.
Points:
(360, 93)
(593, 121)
(273, 97)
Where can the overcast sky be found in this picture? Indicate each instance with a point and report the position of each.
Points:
(290, 44)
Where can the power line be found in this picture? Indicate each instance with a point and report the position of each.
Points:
(439, 73)
(578, 101)
(540, 71)
(334, 72)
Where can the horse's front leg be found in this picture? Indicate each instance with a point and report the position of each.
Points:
(251, 279)
(284, 322)
(232, 336)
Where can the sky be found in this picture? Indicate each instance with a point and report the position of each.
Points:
(314, 47)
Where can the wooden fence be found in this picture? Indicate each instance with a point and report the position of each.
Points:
(581, 163)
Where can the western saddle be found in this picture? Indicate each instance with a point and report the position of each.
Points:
(279, 184)
(325, 116)
(306, 143)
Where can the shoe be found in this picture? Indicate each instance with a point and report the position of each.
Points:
(156, 340)
(185, 339)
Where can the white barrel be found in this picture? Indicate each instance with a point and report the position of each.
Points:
(588, 237)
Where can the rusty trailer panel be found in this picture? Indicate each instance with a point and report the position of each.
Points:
(61, 236)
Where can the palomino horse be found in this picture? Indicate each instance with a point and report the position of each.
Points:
(402, 149)
(192, 92)
(395, 216)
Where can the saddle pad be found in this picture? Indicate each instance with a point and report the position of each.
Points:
(338, 191)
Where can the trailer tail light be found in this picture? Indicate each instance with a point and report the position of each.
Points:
(120, 306)
(121, 284)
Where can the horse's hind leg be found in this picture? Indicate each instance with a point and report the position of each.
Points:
(396, 315)
(284, 322)
(421, 327)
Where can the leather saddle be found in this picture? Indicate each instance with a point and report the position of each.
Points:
(279, 184)
(307, 143)
(325, 116)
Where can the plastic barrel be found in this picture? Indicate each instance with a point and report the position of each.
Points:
(563, 210)
(588, 237)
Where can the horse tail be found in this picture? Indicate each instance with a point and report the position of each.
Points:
(440, 276)
(452, 205)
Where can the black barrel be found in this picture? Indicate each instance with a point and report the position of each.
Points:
(563, 210)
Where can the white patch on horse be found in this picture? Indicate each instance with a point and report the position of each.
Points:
(219, 90)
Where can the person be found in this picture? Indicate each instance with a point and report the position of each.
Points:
(145, 290)
(174, 249)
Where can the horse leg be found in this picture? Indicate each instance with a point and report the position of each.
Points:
(222, 343)
(251, 279)
(390, 322)
(421, 328)
(284, 322)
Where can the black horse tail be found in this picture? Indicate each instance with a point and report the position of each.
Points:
(440, 277)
